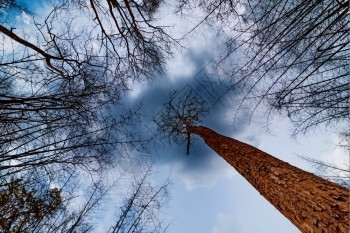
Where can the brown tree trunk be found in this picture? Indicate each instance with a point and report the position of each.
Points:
(311, 203)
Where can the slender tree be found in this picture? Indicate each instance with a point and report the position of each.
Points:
(142, 206)
(311, 203)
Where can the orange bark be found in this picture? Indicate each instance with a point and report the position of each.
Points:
(311, 203)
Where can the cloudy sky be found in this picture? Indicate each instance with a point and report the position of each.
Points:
(208, 196)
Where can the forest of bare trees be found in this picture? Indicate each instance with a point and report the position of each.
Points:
(63, 78)
(32, 206)
(61, 115)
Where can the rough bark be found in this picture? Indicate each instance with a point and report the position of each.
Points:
(311, 203)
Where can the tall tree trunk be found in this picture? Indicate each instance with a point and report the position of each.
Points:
(311, 203)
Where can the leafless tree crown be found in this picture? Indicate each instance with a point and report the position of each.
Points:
(182, 111)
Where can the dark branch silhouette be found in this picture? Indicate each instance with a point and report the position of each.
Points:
(181, 111)
(61, 87)
(295, 57)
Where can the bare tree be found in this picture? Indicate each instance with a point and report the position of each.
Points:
(62, 79)
(31, 206)
(121, 37)
(141, 209)
(181, 112)
(295, 56)
(60, 91)
(22, 209)
(311, 203)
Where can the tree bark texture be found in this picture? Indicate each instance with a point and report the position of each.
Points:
(311, 203)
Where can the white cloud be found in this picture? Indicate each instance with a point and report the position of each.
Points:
(136, 89)
(180, 66)
(7, 44)
(217, 169)
(227, 224)
(334, 153)
(25, 18)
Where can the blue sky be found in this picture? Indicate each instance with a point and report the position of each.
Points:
(208, 196)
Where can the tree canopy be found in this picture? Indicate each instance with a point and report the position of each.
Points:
(64, 74)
